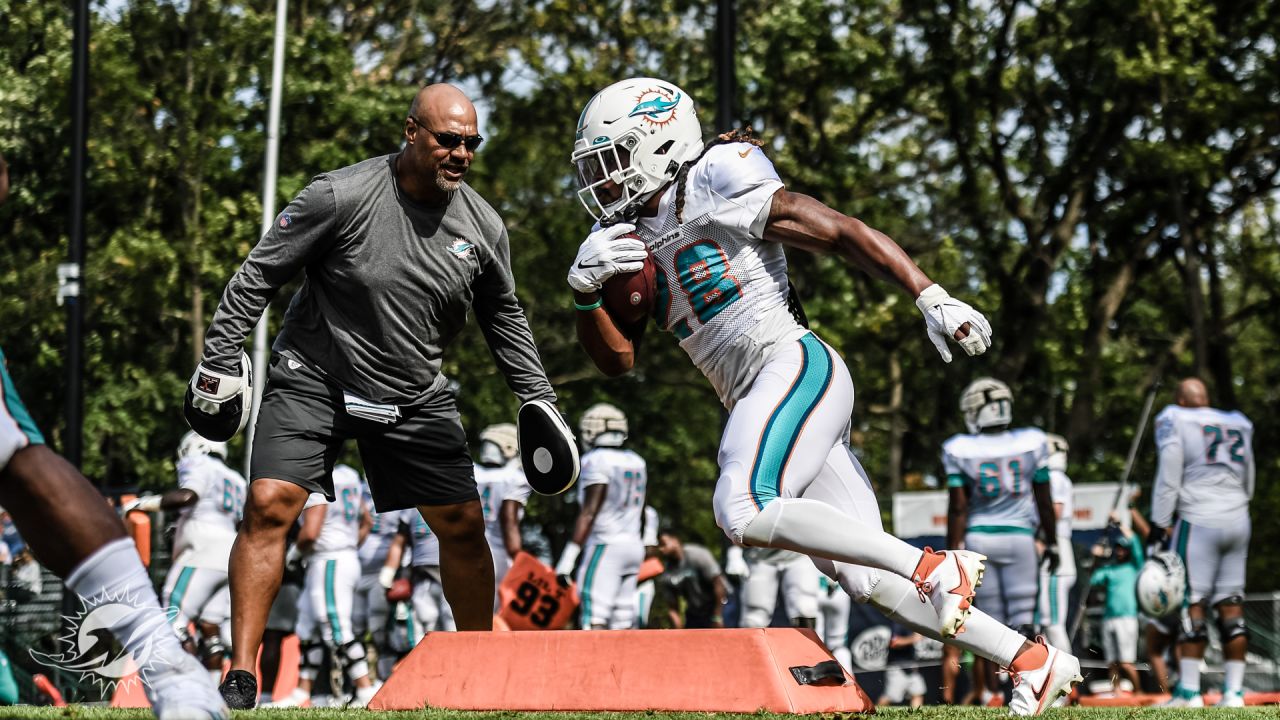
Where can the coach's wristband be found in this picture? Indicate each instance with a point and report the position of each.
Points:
(587, 308)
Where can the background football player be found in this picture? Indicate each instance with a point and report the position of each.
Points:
(1056, 585)
(504, 492)
(1202, 491)
(611, 491)
(833, 620)
(370, 612)
(998, 481)
(430, 610)
(330, 536)
(210, 501)
(714, 218)
(771, 569)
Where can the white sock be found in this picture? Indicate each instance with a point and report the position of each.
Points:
(114, 574)
(1189, 674)
(812, 527)
(1233, 676)
(898, 598)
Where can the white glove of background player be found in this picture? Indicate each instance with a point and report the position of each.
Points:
(943, 316)
(605, 254)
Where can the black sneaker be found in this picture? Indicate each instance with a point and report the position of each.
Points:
(239, 690)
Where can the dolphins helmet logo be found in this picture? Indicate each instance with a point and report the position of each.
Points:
(657, 106)
(88, 647)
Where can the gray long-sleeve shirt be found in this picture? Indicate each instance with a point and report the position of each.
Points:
(388, 283)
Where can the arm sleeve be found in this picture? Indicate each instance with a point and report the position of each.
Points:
(951, 467)
(506, 329)
(300, 233)
(313, 500)
(1164, 496)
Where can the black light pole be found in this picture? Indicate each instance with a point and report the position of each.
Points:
(69, 274)
(726, 78)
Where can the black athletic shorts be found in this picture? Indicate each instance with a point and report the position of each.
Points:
(421, 459)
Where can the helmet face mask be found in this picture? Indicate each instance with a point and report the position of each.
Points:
(986, 403)
(632, 138)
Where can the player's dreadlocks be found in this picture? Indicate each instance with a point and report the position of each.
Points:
(737, 135)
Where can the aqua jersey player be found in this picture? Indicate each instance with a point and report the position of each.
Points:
(715, 218)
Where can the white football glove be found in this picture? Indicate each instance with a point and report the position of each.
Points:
(386, 577)
(943, 316)
(146, 503)
(568, 559)
(211, 388)
(605, 254)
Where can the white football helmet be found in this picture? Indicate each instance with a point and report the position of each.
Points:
(603, 425)
(986, 403)
(499, 444)
(1057, 452)
(1162, 584)
(634, 134)
(194, 444)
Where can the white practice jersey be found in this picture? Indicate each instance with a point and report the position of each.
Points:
(717, 279)
(1061, 489)
(496, 485)
(423, 543)
(650, 535)
(624, 472)
(998, 469)
(206, 530)
(373, 551)
(1217, 466)
(341, 529)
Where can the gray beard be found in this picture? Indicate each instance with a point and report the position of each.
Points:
(446, 185)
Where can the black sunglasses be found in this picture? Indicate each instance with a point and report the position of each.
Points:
(451, 140)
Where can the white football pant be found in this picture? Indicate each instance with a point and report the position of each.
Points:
(607, 584)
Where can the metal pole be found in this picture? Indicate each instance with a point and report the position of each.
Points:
(69, 274)
(261, 343)
(726, 79)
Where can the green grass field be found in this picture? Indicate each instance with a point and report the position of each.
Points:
(928, 713)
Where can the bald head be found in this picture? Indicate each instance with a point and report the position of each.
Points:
(1191, 393)
(441, 105)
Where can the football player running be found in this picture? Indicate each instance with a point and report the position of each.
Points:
(1056, 585)
(998, 493)
(209, 500)
(1202, 492)
(715, 217)
(504, 492)
(611, 491)
(330, 536)
(370, 611)
(769, 568)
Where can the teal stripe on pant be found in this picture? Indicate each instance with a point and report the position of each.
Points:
(587, 579)
(331, 602)
(179, 590)
(787, 420)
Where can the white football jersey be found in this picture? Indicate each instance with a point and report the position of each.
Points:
(1061, 489)
(1217, 465)
(650, 535)
(716, 277)
(624, 472)
(998, 469)
(341, 529)
(373, 551)
(206, 530)
(423, 543)
(496, 485)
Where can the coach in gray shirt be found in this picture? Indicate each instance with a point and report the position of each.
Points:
(394, 251)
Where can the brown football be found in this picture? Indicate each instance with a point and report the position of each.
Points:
(629, 297)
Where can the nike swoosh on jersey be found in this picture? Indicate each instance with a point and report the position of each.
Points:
(746, 152)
